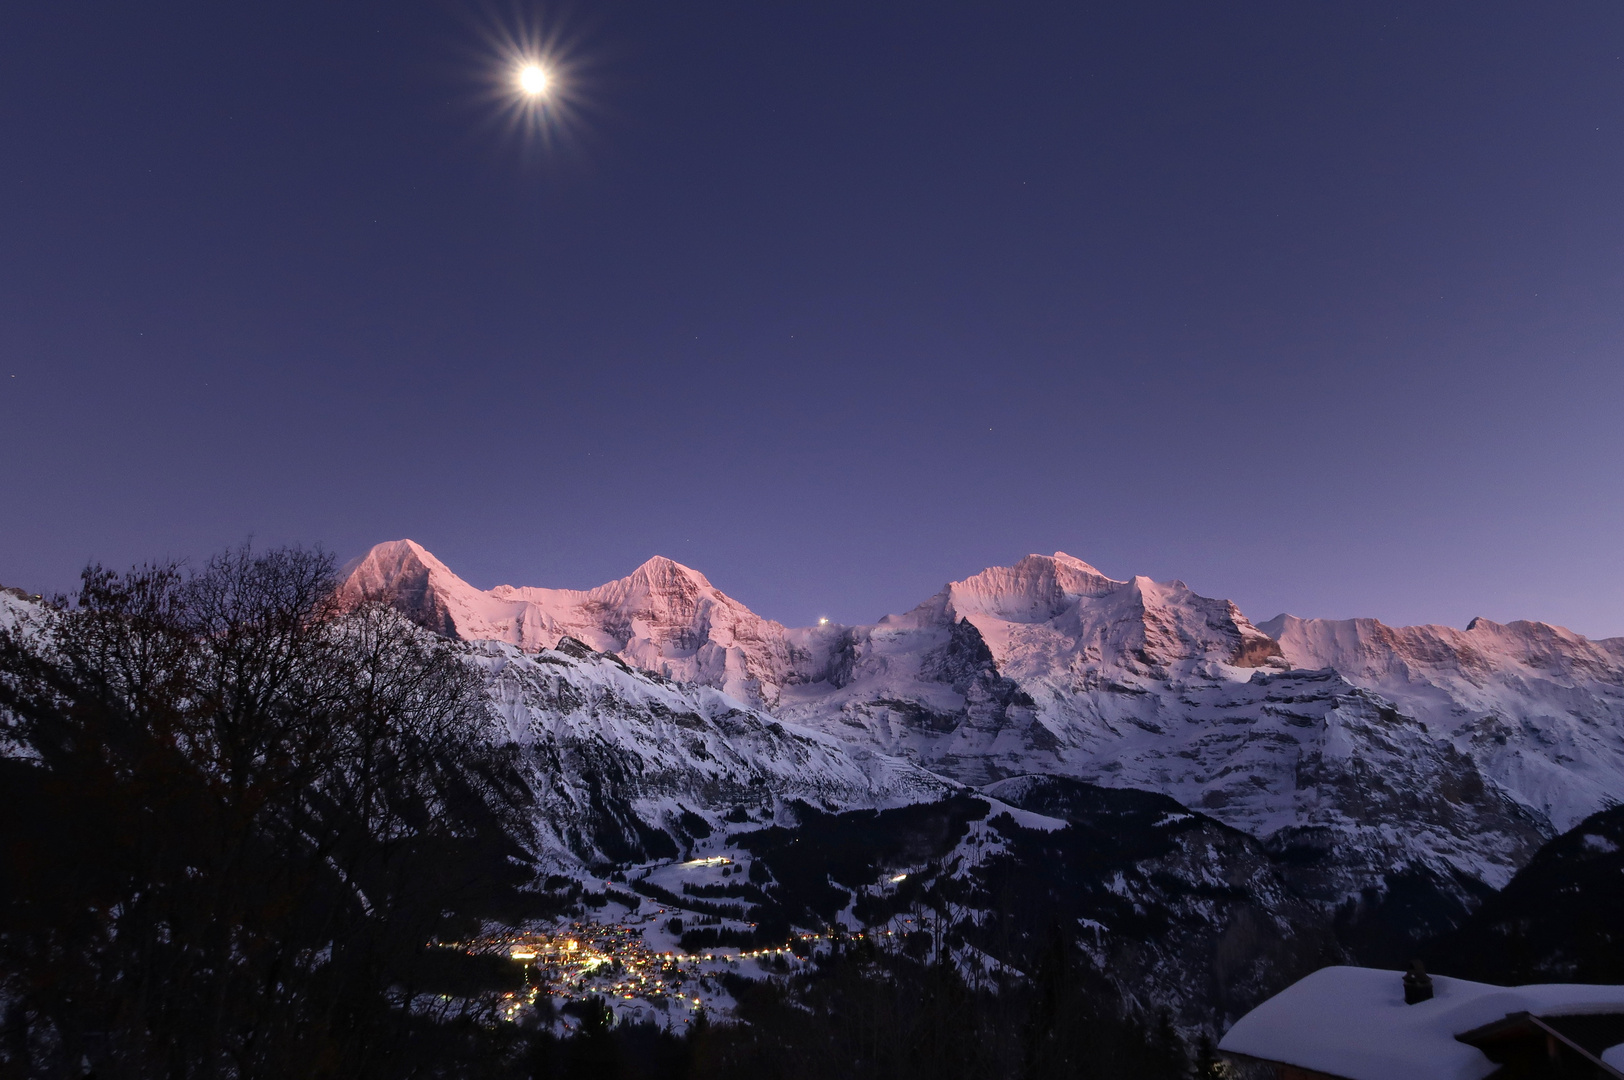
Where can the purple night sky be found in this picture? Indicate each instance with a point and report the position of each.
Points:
(1318, 307)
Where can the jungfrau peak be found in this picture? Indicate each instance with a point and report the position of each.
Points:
(1035, 589)
(1048, 611)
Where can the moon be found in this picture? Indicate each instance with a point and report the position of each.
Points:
(533, 80)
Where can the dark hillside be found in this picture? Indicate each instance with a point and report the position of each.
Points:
(1561, 919)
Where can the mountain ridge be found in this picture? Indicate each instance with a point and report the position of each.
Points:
(663, 617)
(1309, 734)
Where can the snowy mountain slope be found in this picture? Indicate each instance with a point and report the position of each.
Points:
(626, 767)
(1557, 921)
(1050, 667)
(1147, 685)
(1301, 759)
(1175, 908)
(1027, 668)
(15, 605)
(1539, 707)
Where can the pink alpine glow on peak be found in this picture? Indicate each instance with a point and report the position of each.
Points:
(1035, 589)
(664, 617)
(1049, 613)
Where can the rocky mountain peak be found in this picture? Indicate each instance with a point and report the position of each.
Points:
(658, 568)
(661, 585)
(1051, 612)
(404, 574)
(392, 560)
(1035, 589)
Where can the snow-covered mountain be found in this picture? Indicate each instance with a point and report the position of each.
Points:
(1540, 708)
(1026, 668)
(1176, 909)
(626, 766)
(1456, 750)
(664, 618)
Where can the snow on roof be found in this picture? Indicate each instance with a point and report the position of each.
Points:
(1352, 1022)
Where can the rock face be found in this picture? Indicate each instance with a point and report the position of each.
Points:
(1366, 750)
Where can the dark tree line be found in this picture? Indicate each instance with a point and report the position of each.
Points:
(233, 817)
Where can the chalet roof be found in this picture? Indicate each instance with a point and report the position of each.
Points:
(1523, 1041)
(1352, 1022)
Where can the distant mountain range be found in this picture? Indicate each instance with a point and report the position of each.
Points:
(1456, 750)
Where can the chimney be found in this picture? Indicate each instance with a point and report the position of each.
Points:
(1417, 984)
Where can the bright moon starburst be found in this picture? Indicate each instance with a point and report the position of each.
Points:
(533, 79)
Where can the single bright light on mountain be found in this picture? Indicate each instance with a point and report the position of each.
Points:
(823, 622)
(533, 80)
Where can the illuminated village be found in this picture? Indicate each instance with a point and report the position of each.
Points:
(632, 961)
(637, 981)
